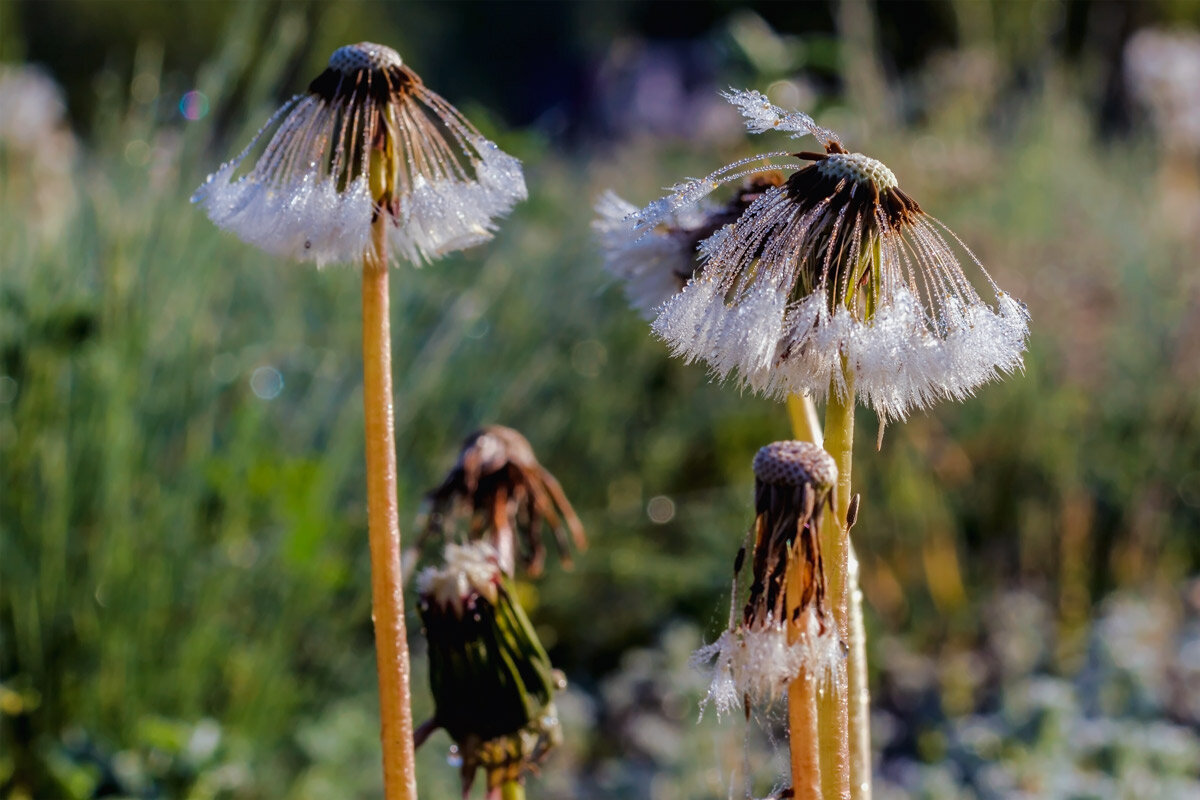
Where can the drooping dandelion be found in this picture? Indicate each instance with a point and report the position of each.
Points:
(367, 165)
(493, 685)
(835, 281)
(368, 142)
(506, 495)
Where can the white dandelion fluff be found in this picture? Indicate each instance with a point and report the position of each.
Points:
(368, 138)
(783, 632)
(834, 276)
(655, 266)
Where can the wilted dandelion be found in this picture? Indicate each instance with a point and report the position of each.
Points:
(507, 495)
(367, 141)
(492, 683)
(834, 281)
(784, 630)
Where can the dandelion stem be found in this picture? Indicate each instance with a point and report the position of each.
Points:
(804, 736)
(806, 425)
(383, 524)
(860, 693)
(834, 711)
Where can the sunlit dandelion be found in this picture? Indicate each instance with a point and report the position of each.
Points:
(833, 280)
(367, 139)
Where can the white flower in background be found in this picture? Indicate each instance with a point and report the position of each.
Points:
(37, 150)
(31, 107)
(367, 139)
(1163, 69)
(837, 265)
(784, 631)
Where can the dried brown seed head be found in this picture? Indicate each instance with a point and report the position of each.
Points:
(795, 463)
(858, 168)
(364, 56)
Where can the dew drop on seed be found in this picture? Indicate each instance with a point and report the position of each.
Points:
(453, 757)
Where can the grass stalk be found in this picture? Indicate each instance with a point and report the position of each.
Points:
(383, 524)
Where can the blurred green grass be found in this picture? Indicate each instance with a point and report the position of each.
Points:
(179, 551)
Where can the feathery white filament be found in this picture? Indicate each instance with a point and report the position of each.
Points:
(653, 267)
(758, 662)
(762, 116)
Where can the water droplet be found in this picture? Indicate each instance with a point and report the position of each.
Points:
(453, 757)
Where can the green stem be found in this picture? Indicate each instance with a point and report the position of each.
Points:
(860, 693)
(512, 790)
(834, 711)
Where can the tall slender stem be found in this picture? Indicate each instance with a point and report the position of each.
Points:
(860, 692)
(383, 524)
(834, 708)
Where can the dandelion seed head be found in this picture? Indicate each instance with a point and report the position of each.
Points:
(795, 463)
(363, 56)
(833, 271)
(368, 142)
(858, 168)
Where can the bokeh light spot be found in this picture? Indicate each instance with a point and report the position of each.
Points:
(193, 105)
(266, 383)
(137, 153)
(660, 509)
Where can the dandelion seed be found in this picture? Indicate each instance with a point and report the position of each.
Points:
(836, 272)
(784, 630)
(367, 139)
(499, 484)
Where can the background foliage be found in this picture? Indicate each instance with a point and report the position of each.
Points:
(184, 594)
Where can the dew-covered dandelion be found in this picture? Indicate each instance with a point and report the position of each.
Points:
(498, 484)
(784, 631)
(493, 685)
(367, 140)
(833, 281)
